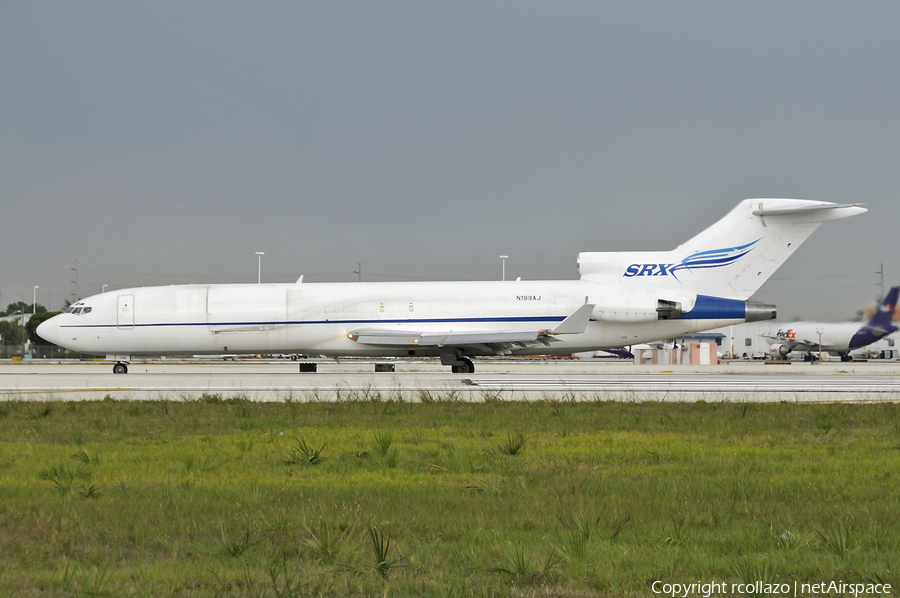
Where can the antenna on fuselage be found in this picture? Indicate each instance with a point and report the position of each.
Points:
(299, 280)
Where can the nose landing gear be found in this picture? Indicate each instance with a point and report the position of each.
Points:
(120, 368)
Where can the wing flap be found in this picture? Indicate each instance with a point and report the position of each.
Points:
(575, 323)
(441, 339)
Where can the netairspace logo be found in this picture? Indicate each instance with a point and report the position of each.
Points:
(714, 258)
(713, 588)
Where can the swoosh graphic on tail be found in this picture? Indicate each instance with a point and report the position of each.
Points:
(714, 258)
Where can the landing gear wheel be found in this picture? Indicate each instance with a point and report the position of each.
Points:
(846, 358)
(120, 368)
(466, 367)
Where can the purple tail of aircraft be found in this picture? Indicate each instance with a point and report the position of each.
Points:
(881, 324)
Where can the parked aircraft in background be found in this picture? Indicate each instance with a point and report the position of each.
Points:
(621, 299)
(840, 338)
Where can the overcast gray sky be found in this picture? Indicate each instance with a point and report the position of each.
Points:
(167, 142)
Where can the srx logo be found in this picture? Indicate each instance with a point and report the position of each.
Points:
(647, 270)
(714, 258)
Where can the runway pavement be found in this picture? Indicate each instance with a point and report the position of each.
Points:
(586, 380)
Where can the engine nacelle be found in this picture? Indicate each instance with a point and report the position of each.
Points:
(637, 310)
(779, 350)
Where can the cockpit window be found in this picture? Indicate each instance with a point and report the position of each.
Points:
(76, 309)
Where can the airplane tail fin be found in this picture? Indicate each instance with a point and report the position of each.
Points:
(884, 316)
(881, 324)
(731, 259)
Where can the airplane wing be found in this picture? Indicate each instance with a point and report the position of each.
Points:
(500, 341)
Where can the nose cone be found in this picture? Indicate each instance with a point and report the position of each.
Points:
(49, 330)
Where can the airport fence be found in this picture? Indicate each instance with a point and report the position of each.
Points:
(36, 352)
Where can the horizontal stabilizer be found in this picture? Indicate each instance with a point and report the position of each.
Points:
(839, 211)
(577, 321)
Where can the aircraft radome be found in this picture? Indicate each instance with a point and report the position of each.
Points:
(620, 299)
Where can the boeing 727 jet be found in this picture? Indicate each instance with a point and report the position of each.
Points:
(840, 338)
(620, 299)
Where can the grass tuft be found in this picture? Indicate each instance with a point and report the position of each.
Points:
(303, 454)
(381, 547)
(327, 543)
(513, 445)
(833, 538)
(749, 572)
(234, 544)
(381, 442)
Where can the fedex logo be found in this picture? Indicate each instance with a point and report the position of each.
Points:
(789, 333)
(701, 260)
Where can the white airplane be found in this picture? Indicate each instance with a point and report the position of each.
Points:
(621, 299)
(840, 338)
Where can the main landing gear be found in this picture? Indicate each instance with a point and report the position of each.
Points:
(120, 368)
(464, 367)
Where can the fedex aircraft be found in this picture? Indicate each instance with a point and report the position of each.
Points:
(840, 338)
(620, 299)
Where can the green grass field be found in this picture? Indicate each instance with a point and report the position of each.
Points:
(230, 497)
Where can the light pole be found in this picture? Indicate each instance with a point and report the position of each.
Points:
(259, 255)
(820, 331)
(34, 300)
(77, 297)
(504, 258)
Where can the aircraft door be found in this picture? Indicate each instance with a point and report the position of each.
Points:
(125, 312)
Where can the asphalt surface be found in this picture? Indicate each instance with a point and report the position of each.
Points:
(586, 380)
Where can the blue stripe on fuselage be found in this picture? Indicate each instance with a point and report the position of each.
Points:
(716, 308)
(297, 322)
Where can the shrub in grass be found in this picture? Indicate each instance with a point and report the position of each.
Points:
(41, 412)
(303, 454)
(93, 582)
(513, 445)
(327, 542)
(749, 572)
(381, 546)
(383, 449)
(677, 533)
(833, 538)
(576, 544)
(83, 457)
(61, 476)
(381, 442)
(234, 544)
(519, 564)
(92, 491)
(283, 576)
